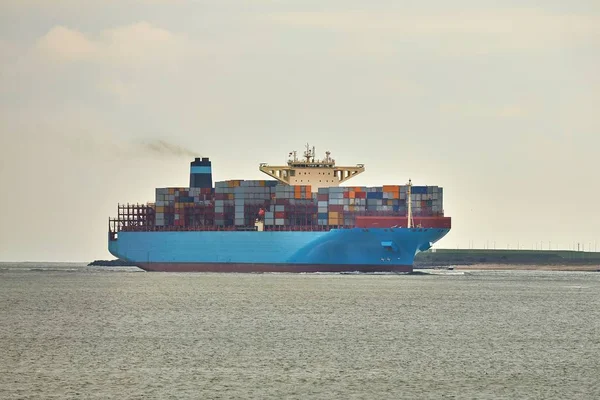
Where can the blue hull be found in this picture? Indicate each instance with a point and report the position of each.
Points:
(357, 249)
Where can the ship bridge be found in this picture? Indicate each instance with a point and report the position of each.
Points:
(311, 171)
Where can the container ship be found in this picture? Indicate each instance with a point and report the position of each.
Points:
(300, 220)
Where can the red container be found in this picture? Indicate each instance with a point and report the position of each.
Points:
(280, 214)
(322, 197)
(346, 195)
(361, 195)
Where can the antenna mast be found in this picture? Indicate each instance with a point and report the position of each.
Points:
(409, 199)
(307, 153)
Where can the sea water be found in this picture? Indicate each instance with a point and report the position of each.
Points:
(71, 331)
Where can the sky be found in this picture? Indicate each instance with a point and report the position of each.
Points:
(497, 102)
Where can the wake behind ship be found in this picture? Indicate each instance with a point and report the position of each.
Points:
(301, 221)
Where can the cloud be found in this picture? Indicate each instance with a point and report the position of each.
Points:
(141, 42)
(502, 29)
(65, 44)
(129, 45)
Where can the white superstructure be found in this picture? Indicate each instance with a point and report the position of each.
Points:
(311, 171)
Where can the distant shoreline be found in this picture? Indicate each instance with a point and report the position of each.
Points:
(510, 267)
(546, 260)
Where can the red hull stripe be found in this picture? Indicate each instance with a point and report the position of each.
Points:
(247, 267)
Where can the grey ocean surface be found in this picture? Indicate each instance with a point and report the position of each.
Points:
(69, 331)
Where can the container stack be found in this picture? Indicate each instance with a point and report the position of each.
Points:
(275, 215)
(387, 200)
(249, 197)
(291, 205)
(224, 202)
(174, 205)
(239, 202)
(183, 202)
(302, 209)
(427, 201)
(161, 206)
(323, 206)
(339, 205)
(166, 201)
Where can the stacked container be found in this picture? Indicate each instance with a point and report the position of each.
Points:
(427, 201)
(166, 199)
(291, 205)
(224, 202)
(173, 205)
(238, 203)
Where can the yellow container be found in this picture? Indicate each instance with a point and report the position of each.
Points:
(333, 215)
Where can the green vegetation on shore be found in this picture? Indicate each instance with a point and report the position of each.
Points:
(442, 257)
